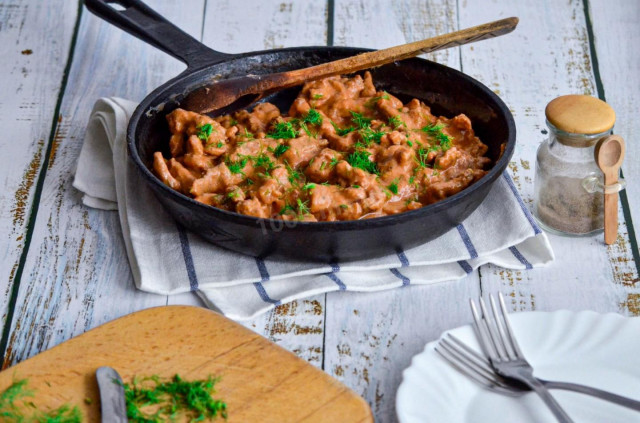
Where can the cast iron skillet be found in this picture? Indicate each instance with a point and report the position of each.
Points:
(446, 90)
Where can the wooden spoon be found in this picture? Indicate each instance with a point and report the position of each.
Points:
(240, 92)
(609, 154)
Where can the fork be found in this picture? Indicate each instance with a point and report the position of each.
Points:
(477, 367)
(496, 338)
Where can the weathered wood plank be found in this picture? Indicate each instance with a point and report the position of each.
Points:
(76, 274)
(35, 39)
(586, 274)
(370, 338)
(298, 326)
(617, 41)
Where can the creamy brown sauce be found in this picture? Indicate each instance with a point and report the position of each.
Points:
(343, 151)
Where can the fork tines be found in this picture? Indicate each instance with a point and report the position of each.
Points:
(473, 365)
(494, 332)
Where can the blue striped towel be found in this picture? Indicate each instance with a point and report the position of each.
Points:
(166, 259)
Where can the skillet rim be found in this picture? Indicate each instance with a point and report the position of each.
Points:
(343, 225)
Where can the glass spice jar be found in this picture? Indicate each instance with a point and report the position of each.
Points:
(568, 186)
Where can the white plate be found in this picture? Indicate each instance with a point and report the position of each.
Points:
(600, 350)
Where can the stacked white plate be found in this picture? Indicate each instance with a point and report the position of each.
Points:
(599, 350)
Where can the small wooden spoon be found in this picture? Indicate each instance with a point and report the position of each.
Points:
(237, 93)
(609, 154)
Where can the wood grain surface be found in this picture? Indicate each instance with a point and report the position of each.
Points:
(35, 40)
(67, 262)
(259, 381)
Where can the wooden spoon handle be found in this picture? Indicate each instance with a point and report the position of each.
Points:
(388, 55)
(610, 209)
(245, 90)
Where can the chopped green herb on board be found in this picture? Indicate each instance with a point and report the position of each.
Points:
(154, 400)
(14, 408)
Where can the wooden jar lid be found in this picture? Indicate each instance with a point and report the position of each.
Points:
(580, 114)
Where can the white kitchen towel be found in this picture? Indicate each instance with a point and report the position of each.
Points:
(166, 259)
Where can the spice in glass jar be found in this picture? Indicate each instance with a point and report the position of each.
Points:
(564, 199)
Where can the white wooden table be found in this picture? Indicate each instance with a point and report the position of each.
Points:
(63, 268)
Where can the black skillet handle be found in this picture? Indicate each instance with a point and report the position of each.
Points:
(136, 18)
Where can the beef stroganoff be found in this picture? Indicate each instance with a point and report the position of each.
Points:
(343, 151)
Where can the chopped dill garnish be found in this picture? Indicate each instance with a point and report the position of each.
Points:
(233, 122)
(317, 96)
(410, 143)
(172, 398)
(204, 131)
(334, 161)
(313, 117)
(264, 162)
(280, 150)
(373, 100)
(248, 135)
(342, 132)
(238, 165)
(233, 194)
(435, 130)
(219, 144)
(10, 412)
(355, 186)
(444, 140)
(294, 175)
(287, 209)
(368, 136)
(360, 159)
(303, 208)
(304, 127)
(393, 187)
(396, 122)
(323, 165)
(344, 206)
(249, 181)
(432, 129)
(412, 179)
(360, 121)
(283, 130)
(423, 154)
(309, 186)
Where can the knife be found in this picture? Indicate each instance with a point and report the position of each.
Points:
(112, 402)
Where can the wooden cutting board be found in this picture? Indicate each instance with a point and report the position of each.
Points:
(260, 381)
